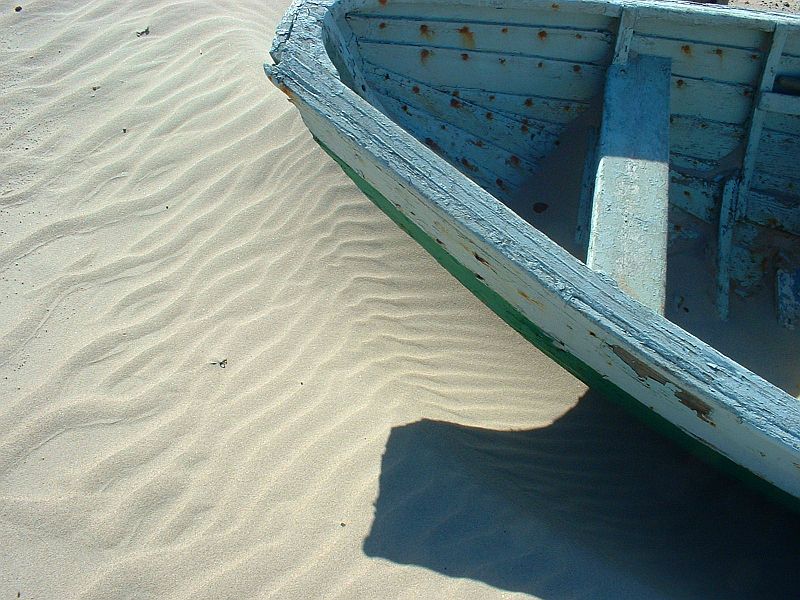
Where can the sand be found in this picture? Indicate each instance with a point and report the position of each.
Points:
(225, 374)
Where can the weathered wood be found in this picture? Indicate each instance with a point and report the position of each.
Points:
(562, 43)
(734, 207)
(629, 227)
(595, 328)
(495, 168)
(509, 73)
(587, 190)
(775, 212)
(701, 60)
(787, 282)
(727, 220)
(780, 103)
(523, 137)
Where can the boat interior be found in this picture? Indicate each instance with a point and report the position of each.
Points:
(657, 149)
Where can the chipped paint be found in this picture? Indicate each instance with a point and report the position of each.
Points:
(694, 403)
(643, 370)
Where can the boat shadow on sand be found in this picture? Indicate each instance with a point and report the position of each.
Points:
(594, 505)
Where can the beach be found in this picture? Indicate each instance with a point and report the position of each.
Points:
(224, 373)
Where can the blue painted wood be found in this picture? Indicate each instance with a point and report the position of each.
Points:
(734, 207)
(788, 297)
(629, 226)
(587, 190)
(703, 393)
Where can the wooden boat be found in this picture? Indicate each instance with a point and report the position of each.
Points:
(617, 179)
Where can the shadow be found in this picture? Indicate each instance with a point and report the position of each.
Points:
(594, 505)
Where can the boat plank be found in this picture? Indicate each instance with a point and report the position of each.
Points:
(711, 100)
(737, 35)
(521, 137)
(774, 212)
(697, 60)
(478, 159)
(579, 45)
(523, 106)
(696, 196)
(703, 138)
(498, 15)
(502, 73)
(779, 153)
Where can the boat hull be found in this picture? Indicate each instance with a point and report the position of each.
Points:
(580, 318)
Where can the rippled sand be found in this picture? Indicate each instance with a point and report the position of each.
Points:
(225, 374)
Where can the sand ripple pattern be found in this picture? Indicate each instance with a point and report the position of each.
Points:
(165, 214)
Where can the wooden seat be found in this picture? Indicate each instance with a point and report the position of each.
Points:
(629, 222)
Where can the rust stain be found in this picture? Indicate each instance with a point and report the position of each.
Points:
(468, 164)
(747, 93)
(514, 160)
(755, 57)
(464, 56)
(480, 259)
(415, 89)
(540, 65)
(287, 91)
(404, 108)
(504, 30)
(687, 193)
(456, 93)
(718, 52)
(491, 98)
(500, 183)
(383, 2)
(524, 295)
(576, 68)
(381, 25)
(528, 102)
(680, 83)
(694, 403)
(425, 31)
(540, 207)
(642, 370)
(455, 103)
(554, 6)
(467, 37)
(432, 144)
(523, 128)
(424, 54)
(542, 35)
(479, 143)
(578, 36)
(567, 108)
(489, 116)
(502, 61)
(686, 49)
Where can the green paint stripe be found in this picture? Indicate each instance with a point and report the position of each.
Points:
(543, 342)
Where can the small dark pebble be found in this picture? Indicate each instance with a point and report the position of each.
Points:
(540, 207)
(124, 130)
(95, 88)
(342, 524)
(146, 31)
(17, 9)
